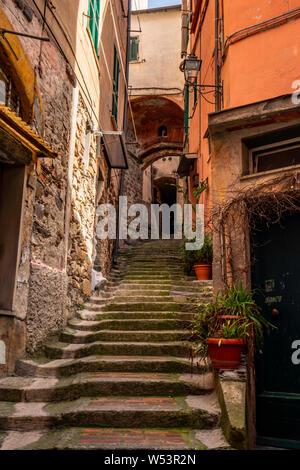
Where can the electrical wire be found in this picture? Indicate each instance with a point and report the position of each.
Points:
(85, 91)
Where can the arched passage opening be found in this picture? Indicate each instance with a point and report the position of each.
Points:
(159, 125)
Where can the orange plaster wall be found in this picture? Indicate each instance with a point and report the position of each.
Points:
(258, 67)
(262, 66)
(239, 14)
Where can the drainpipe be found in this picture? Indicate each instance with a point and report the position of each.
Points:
(115, 257)
(184, 29)
(217, 79)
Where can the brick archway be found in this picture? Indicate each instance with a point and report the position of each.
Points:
(151, 113)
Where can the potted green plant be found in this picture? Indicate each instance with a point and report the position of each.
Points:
(203, 259)
(199, 260)
(224, 325)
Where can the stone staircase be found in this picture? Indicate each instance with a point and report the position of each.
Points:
(121, 375)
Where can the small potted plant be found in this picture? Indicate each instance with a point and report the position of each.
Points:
(203, 261)
(223, 326)
(200, 260)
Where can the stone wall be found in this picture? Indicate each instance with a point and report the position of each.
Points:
(133, 180)
(81, 236)
(41, 283)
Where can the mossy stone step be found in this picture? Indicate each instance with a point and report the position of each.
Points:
(66, 367)
(145, 287)
(60, 350)
(127, 324)
(96, 384)
(140, 315)
(107, 439)
(141, 306)
(82, 337)
(192, 411)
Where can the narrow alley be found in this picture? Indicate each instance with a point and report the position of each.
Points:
(122, 363)
(149, 226)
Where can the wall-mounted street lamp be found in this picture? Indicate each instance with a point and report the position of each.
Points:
(191, 67)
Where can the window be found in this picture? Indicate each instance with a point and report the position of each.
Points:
(94, 14)
(8, 93)
(195, 181)
(134, 49)
(115, 97)
(272, 151)
(271, 157)
(162, 131)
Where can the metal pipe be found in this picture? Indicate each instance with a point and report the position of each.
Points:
(8, 31)
(184, 29)
(217, 94)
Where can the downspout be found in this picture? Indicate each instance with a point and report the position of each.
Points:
(217, 80)
(115, 257)
(184, 28)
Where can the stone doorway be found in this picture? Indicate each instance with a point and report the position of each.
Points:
(12, 179)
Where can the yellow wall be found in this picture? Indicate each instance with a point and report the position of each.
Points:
(159, 50)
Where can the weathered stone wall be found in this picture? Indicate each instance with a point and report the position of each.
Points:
(58, 248)
(133, 180)
(41, 287)
(81, 236)
(104, 249)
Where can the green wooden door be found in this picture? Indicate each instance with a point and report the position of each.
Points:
(276, 273)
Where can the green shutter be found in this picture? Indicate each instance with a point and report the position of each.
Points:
(115, 97)
(186, 108)
(195, 96)
(134, 49)
(94, 13)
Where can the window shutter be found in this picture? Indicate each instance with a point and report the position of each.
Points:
(115, 85)
(94, 13)
(134, 49)
(186, 108)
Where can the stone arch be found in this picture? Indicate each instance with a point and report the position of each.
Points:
(18, 67)
(152, 113)
(155, 156)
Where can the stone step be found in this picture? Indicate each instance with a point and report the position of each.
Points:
(192, 411)
(145, 306)
(142, 292)
(82, 337)
(141, 298)
(192, 281)
(154, 272)
(91, 315)
(60, 350)
(96, 384)
(191, 288)
(164, 282)
(65, 367)
(118, 439)
(131, 298)
(151, 277)
(153, 287)
(127, 324)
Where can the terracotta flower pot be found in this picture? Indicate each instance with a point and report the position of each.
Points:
(229, 317)
(227, 355)
(203, 271)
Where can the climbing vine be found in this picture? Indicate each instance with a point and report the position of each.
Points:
(250, 208)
